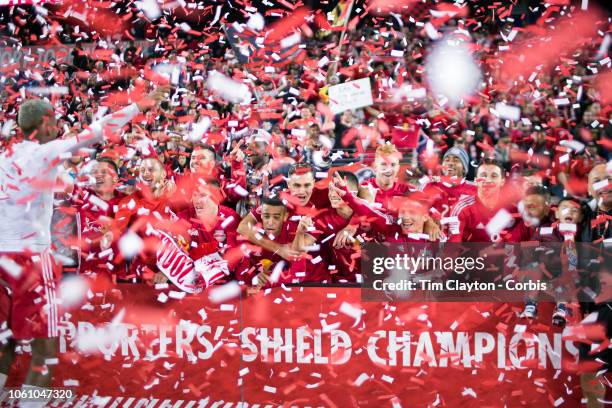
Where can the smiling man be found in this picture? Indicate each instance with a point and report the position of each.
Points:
(474, 213)
(301, 199)
(95, 209)
(385, 184)
(446, 190)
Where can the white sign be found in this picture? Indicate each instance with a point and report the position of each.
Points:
(350, 95)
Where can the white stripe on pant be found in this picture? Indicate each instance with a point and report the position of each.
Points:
(50, 293)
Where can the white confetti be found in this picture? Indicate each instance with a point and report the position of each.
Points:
(508, 111)
(11, 267)
(499, 222)
(219, 294)
(227, 88)
(256, 22)
(363, 377)
(98, 202)
(73, 290)
(452, 71)
(150, 8)
(130, 245)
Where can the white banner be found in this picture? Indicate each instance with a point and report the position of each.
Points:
(350, 95)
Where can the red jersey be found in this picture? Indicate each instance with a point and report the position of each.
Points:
(345, 263)
(382, 223)
(384, 196)
(219, 238)
(90, 213)
(443, 195)
(137, 211)
(473, 218)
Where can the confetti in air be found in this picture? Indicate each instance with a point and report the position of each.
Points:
(451, 70)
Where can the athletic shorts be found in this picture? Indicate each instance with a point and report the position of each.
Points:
(29, 303)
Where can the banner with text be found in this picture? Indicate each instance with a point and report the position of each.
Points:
(309, 346)
(350, 95)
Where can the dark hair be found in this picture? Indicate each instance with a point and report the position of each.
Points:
(492, 162)
(205, 147)
(301, 168)
(571, 199)
(274, 201)
(350, 177)
(538, 190)
(110, 162)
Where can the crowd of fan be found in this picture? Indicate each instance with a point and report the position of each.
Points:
(280, 190)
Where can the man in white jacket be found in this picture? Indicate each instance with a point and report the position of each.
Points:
(28, 274)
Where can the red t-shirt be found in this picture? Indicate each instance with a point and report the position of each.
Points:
(384, 196)
(473, 218)
(444, 196)
(328, 223)
(91, 210)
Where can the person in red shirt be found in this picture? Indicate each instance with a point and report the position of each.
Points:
(342, 261)
(270, 268)
(96, 207)
(409, 226)
(471, 216)
(202, 168)
(301, 200)
(149, 205)
(445, 191)
(212, 226)
(385, 184)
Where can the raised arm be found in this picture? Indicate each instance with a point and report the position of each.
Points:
(379, 221)
(106, 125)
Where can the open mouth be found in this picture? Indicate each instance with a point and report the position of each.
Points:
(407, 224)
(568, 220)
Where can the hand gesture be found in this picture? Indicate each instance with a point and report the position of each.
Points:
(345, 238)
(304, 225)
(287, 253)
(237, 154)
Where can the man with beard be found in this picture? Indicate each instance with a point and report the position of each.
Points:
(250, 172)
(149, 204)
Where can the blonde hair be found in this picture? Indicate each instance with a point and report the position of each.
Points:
(387, 149)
